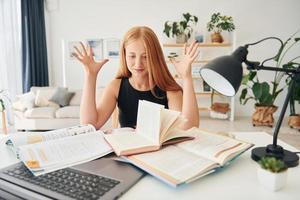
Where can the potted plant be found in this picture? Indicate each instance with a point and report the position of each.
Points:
(294, 118)
(182, 29)
(263, 93)
(263, 96)
(272, 173)
(2, 111)
(219, 23)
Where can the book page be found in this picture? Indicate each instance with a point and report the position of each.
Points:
(125, 143)
(168, 119)
(212, 146)
(41, 156)
(18, 139)
(172, 164)
(148, 120)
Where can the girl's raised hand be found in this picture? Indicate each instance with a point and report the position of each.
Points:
(87, 59)
(184, 66)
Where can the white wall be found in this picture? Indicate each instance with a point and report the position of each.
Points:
(83, 19)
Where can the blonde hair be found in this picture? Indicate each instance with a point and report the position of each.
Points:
(158, 72)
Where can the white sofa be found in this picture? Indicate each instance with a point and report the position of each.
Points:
(34, 111)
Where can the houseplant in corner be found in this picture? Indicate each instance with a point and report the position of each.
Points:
(264, 93)
(182, 29)
(219, 23)
(294, 118)
(2, 111)
(272, 173)
(263, 97)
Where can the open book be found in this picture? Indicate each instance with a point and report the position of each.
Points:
(44, 152)
(155, 126)
(190, 160)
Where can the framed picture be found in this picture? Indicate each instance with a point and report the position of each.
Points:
(206, 87)
(71, 49)
(112, 48)
(97, 47)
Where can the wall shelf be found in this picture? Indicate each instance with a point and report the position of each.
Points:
(203, 109)
(196, 62)
(201, 45)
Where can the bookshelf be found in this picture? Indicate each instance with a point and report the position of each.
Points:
(208, 51)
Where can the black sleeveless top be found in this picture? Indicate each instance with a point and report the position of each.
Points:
(128, 99)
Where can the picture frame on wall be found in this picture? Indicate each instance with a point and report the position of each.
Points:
(112, 47)
(97, 47)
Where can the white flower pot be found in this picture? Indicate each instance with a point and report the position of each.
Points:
(272, 181)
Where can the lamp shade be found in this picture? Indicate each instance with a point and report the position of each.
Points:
(224, 74)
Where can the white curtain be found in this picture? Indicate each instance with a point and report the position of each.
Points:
(10, 50)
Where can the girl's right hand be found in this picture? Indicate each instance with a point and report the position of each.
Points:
(86, 58)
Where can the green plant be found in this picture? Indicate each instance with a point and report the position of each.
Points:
(272, 164)
(172, 55)
(181, 27)
(264, 93)
(260, 90)
(296, 90)
(219, 23)
(2, 107)
(3, 95)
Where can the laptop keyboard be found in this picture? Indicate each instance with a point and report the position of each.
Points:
(69, 182)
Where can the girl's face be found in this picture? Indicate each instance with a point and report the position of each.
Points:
(136, 58)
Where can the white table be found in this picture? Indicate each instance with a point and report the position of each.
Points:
(236, 181)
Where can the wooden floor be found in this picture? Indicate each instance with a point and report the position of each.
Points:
(286, 134)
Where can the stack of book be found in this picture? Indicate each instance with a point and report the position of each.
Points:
(157, 146)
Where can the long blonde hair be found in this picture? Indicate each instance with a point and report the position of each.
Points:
(158, 72)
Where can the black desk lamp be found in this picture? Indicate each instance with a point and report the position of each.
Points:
(224, 74)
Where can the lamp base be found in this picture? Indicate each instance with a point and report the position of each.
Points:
(289, 158)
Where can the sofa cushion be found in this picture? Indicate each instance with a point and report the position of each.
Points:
(43, 96)
(24, 102)
(41, 112)
(61, 97)
(68, 112)
(75, 100)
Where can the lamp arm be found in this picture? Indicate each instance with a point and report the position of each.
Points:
(257, 66)
(268, 38)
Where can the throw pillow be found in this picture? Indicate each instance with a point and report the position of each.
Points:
(62, 97)
(24, 102)
(75, 100)
(43, 96)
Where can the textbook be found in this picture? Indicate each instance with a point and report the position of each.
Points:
(156, 126)
(187, 161)
(44, 152)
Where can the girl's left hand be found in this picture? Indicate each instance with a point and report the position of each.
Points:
(184, 66)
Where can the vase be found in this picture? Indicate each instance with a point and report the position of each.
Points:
(216, 38)
(272, 181)
(263, 115)
(294, 121)
(182, 38)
